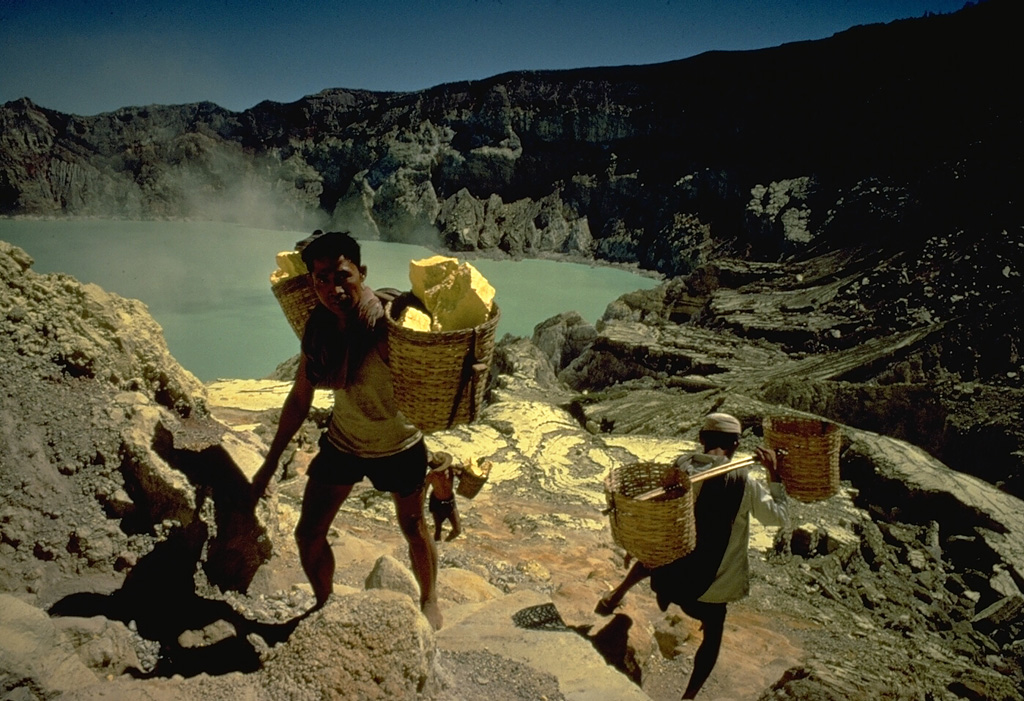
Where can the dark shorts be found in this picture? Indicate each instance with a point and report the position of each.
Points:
(442, 508)
(712, 615)
(402, 473)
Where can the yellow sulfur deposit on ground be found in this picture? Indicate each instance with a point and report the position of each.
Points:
(289, 264)
(455, 294)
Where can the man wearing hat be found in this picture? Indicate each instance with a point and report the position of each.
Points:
(716, 572)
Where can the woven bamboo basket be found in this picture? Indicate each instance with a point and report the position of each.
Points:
(297, 299)
(655, 531)
(810, 467)
(439, 378)
(472, 480)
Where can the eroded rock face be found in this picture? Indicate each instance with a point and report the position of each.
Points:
(90, 333)
(112, 466)
(665, 165)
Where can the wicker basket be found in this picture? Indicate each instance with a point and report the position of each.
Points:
(439, 378)
(810, 467)
(472, 480)
(297, 299)
(656, 531)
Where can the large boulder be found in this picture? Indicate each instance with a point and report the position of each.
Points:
(371, 645)
(33, 648)
(563, 338)
(983, 525)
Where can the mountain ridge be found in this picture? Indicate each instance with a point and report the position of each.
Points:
(916, 106)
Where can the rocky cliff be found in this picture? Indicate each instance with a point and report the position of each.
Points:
(838, 226)
(134, 567)
(886, 135)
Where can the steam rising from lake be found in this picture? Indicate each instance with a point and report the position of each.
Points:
(208, 284)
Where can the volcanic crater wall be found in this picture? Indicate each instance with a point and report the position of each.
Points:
(881, 134)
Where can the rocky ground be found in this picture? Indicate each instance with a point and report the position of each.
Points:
(863, 267)
(131, 568)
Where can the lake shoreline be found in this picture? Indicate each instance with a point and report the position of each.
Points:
(208, 283)
(489, 254)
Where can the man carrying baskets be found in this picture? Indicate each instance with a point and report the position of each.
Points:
(344, 348)
(716, 571)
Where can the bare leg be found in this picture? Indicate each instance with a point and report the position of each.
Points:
(456, 523)
(438, 522)
(320, 505)
(409, 510)
(707, 654)
(612, 599)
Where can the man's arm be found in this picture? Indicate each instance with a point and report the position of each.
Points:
(768, 505)
(293, 413)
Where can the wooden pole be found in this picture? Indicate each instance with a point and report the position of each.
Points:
(700, 476)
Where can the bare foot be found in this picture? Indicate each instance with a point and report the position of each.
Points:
(454, 534)
(607, 605)
(433, 614)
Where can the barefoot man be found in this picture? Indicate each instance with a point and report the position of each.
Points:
(344, 348)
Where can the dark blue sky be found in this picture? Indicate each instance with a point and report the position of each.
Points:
(91, 56)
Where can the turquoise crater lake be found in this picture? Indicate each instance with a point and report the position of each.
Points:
(208, 284)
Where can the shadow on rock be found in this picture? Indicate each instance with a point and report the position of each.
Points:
(159, 595)
(612, 643)
(239, 544)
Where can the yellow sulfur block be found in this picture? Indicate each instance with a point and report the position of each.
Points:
(456, 294)
(414, 319)
(430, 272)
(289, 264)
(460, 301)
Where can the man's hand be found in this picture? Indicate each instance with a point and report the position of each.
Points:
(677, 478)
(766, 456)
(261, 480)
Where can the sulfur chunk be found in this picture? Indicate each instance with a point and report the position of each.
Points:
(430, 272)
(455, 294)
(413, 318)
(289, 264)
(460, 301)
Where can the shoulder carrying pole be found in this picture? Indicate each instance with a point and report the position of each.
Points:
(706, 474)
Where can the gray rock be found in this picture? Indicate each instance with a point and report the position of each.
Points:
(369, 645)
(105, 646)
(781, 211)
(906, 479)
(804, 541)
(1008, 611)
(92, 333)
(563, 338)
(460, 221)
(34, 653)
(388, 573)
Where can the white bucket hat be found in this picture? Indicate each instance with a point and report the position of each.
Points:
(726, 423)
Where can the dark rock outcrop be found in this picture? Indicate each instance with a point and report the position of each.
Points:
(881, 134)
(825, 261)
